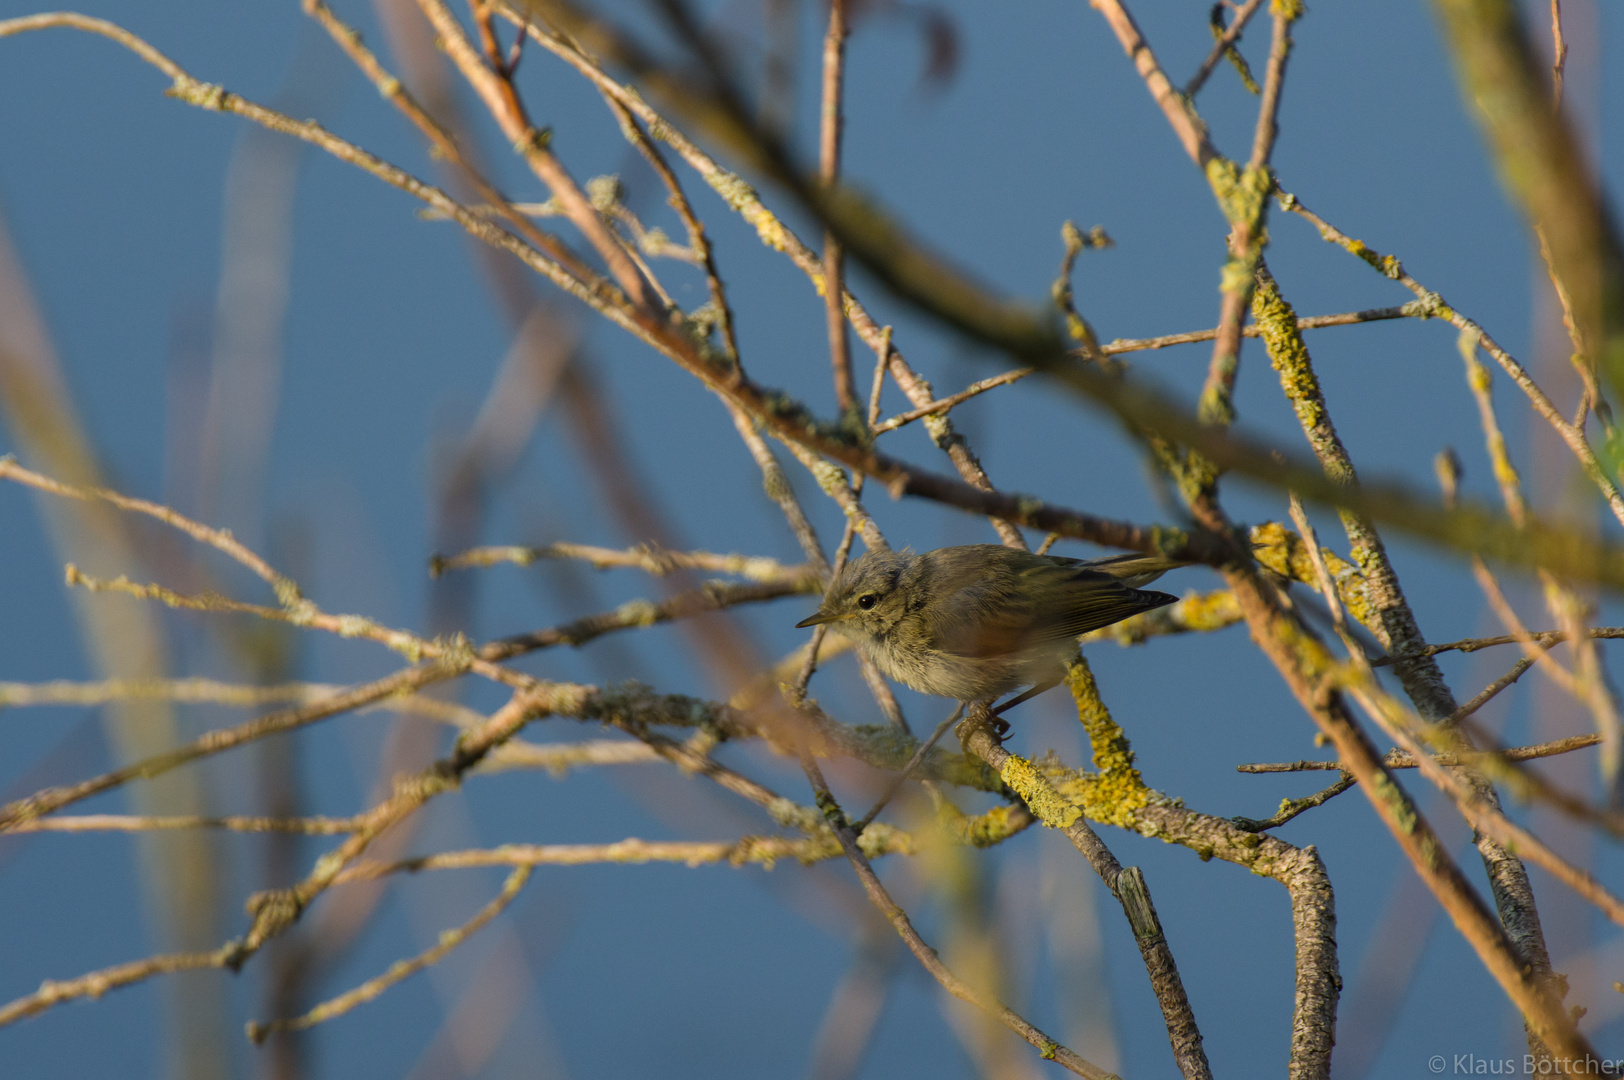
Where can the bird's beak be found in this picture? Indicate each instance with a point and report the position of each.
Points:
(820, 617)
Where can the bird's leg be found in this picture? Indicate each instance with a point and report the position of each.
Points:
(1037, 688)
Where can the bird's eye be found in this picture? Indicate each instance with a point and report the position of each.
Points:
(866, 601)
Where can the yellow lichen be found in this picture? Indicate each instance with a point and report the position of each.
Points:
(1196, 613)
(1026, 781)
(1283, 551)
(1113, 799)
(1208, 611)
(1112, 754)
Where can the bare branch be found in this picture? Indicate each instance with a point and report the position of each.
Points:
(399, 971)
(927, 956)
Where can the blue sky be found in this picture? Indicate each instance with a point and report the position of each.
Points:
(116, 201)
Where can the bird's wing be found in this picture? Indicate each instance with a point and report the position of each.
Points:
(1084, 600)
(1017, 601)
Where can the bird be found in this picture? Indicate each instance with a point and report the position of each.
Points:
(976, 621)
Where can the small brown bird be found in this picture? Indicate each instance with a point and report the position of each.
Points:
(977, 621)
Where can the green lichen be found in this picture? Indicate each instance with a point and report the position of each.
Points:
(795, 816)
(882, 839)
(456, 651)
(637, 613)
(832, 813)
(1385, 791)
(1288, 354)
(424, 786)
(776, 485)
(744, 201)
(702, 321)
(1240, 193)
(1224, 177)
(831, 478)
(1169, 541)
(1111, 799)
(884, 745)
(1217, 23)
(605, 192)
(204, 95)
(1386, 265)
(1195, 474)
(779, 404)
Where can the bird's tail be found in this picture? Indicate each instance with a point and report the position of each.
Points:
(1133, 569)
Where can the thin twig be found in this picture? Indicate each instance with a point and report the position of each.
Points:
(698, 239)
(745, 851)
(1400, 759)
(1390, 267)
(307, 615)
(1175, 106)
(647, 557)
(312, 826)
(1544, 638)
(287, 593)
(1519, 633)
(1290, 808)
(1481, 814)
(1559, 52)
(829, 133)
(1248, 214)
(927, 956)
(942, 405)
(214, 692)
(502, 101)
(778, 489)
(97, 983)
(51, 799)
(1231, 36)
(1127, 885)
(1489, 692)
(1306, 665)
(401, 969)
(1412, 310)
(835, 483)
(713, 596)
(895, 785)
(743, 199)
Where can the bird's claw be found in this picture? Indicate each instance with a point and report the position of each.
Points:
(981, 718)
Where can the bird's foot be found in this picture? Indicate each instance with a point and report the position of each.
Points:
(980, 717)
